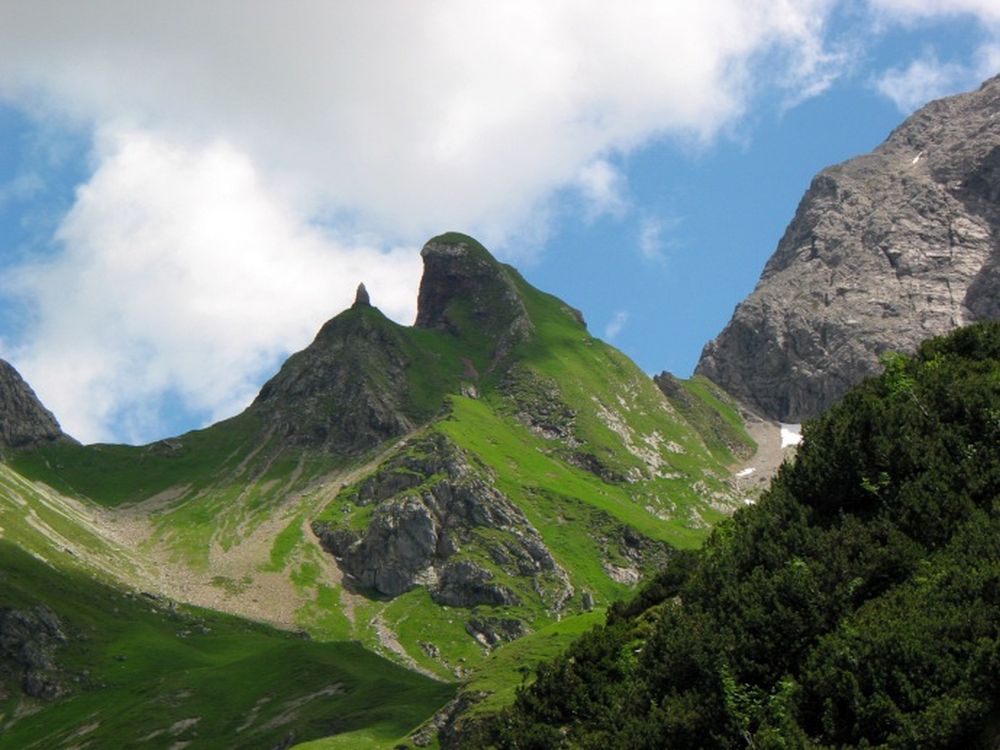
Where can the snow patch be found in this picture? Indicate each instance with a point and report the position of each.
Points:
(746, 472)
(917, 158)
(791, 434)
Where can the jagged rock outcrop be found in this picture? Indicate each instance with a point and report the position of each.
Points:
(29, 640)
(465, 291)
(884, 251)
(347, 391)
(24, 422)
(350, 389)
(361, 297)
(430, 503)
(463, 583)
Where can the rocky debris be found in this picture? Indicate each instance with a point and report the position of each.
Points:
(627, 554)
(465, 291)
(537, 403)
(445, 723)
(492, 631)
(29, 640)
(884, 251)
(430, 502)
(347, 391)
(463, 583)
(24, 422)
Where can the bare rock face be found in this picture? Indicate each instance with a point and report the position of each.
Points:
(29, 640)
(465, 291)
(430, 504)
(346, 391)
(884, 251)
(24, 422)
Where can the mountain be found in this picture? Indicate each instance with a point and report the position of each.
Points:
(23, 420)
(856, 605)
(884, 250)
(462, 496)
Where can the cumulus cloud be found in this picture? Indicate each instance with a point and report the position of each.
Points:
(927, 77)
(182, 273)
(229, 133)
(413, 116)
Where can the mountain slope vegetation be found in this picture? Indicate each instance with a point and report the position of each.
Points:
(856, 605)
(492, 474)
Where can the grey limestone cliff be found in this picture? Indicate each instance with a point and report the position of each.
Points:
(884, 251)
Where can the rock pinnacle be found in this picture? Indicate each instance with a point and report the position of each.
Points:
(361, 299)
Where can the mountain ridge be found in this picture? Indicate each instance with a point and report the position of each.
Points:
(492, 476)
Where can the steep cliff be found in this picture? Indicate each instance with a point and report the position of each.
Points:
(23, 420)
(884, 251)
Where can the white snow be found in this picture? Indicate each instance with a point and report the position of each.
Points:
(791, 434)
(917, 158)
(746, 472)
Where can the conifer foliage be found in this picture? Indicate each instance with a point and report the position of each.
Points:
(857, 605)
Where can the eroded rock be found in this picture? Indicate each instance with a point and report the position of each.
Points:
(884, 251)
(24, 422)
(430, 503)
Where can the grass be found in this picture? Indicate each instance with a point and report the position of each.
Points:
(525, 469)
(215, 486)
(117, 474)
(149, 669)
(510, 666)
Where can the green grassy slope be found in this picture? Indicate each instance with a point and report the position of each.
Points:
(144, 673)
(565, 426)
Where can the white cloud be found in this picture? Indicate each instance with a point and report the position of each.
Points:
(413, 116)
(927, 77)
(922, 80)
(615, 325)
(226, 131)
(602, 187)
(183, 273)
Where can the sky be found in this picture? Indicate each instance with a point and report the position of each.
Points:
(188, 190)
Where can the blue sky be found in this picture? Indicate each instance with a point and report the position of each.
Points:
(188, 191)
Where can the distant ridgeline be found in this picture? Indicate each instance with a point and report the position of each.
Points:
(856, 605)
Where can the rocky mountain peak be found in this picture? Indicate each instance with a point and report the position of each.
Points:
(23, 420)
(361, 298)
(885, 250)
(347, 390)
(466, 292)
